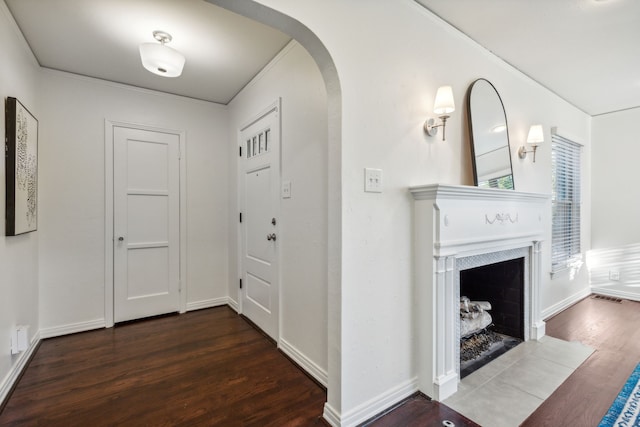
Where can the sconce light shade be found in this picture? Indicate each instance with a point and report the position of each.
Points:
(535, 137)
(161, 59)
(444, 101)
(443, 106)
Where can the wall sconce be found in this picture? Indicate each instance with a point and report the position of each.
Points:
(161, 59)
(443, 106)
(535, 137)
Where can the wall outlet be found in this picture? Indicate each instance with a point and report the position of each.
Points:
(614, 275)
(19, 339)
(373, 180)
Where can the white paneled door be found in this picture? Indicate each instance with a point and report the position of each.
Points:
(260, 142)
(146, 223)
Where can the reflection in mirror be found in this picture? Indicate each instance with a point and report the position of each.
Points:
(490, 152)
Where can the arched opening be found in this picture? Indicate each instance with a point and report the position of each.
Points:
(325, 64)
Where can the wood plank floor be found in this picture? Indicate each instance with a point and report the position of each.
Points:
(207, 367)
(211, 367)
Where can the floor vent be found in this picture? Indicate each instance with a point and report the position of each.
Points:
(612, 299)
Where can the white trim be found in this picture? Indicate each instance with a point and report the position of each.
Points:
(16, 369)
(72, 328)
(304, 362)
(207, 303)
(108, 212)
(566, 135)
(233, 304)
(378, 404)
(564, 304)
(615, 293)
(330, 415)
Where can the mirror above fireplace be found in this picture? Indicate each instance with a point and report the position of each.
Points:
(490, 151)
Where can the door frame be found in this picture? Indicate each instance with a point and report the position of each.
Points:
(109, 237)
(277, 107)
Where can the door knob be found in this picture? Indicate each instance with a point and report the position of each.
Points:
(121, 239)
(271, 236)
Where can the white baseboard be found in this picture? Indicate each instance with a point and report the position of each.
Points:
(17, 368)
(72, 328)
(305, 363)
(378, 404)
(207, 303)
(616, 293)
(565, 303)
(233, 304)
(330, 415)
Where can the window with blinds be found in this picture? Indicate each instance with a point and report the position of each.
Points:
(565, 202)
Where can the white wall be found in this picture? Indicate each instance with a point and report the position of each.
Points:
(72, 192)
(302, 227)
(615, 206)
(390, 58)
(18, 254)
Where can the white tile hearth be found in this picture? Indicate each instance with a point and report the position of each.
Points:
(506, 391)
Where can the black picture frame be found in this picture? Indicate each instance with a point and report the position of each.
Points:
(21, 169)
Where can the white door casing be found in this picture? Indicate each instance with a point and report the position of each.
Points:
(144, 231)
(259, 203)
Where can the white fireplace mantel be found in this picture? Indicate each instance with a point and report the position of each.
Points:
(455, 222)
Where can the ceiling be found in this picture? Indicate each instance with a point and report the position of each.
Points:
(586, 51)
(100, 38)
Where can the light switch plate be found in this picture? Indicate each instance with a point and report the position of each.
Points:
(373, 180)
(286, 189)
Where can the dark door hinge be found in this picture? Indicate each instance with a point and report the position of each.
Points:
(240, 150)
(240, 216)
(240, 283)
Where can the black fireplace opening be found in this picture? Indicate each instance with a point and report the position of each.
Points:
(485, 336)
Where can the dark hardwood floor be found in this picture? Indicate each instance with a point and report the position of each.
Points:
(207, 367)
(211, 367)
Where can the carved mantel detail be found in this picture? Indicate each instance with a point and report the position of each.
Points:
(502, 218)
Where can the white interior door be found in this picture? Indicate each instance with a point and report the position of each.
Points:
(260, 183)
(146, 223)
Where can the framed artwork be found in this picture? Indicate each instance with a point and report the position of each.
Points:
(21, 167)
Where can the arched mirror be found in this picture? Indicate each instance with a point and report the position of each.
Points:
(490, 152)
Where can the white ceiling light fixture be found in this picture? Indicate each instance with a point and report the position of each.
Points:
(161, 59)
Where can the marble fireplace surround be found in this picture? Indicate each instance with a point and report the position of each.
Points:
(460, 227)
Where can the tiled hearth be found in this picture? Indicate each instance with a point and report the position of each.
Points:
(509, 389)
(456, 228)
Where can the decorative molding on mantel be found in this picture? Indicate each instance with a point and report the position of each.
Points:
(466, 192)
(501, 218)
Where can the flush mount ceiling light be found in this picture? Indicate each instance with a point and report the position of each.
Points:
(161, 59)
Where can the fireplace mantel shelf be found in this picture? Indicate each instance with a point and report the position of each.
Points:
(465, 192)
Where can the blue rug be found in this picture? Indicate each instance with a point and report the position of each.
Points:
(625, 411)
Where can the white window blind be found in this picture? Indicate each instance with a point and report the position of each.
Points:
(565, 202)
